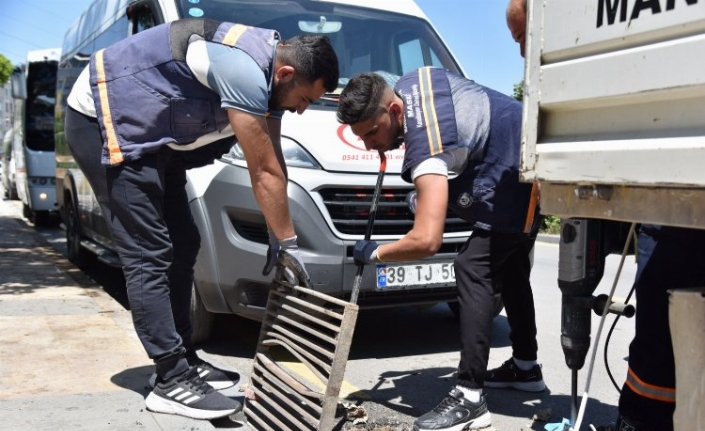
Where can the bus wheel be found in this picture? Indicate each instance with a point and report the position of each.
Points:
(40, 218)
(78, 255)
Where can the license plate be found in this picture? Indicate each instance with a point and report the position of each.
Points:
(391, 277)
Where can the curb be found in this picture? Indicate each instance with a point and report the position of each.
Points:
(548, 238)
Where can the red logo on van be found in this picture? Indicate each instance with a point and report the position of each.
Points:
(347, 137)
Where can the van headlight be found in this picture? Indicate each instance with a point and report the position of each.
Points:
(294, 155)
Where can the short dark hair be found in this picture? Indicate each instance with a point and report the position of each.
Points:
(313, 57)
(360, 99)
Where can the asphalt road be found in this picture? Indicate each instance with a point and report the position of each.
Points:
(403, 360)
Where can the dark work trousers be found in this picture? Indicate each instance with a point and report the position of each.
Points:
(493, 264)
(668, 258)
(145, 205)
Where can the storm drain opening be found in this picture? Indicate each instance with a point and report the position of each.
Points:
(315, 328)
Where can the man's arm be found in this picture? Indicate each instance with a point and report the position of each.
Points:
(426, 236)
(265, 164)
(274, 125)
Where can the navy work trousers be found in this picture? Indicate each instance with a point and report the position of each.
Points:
(494, 264)
(667, 258)
(145, 205)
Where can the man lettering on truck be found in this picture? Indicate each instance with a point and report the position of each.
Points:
(155, 104)
(475, 132)
(667, 258)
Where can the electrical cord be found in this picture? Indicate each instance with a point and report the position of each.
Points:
(614, 324)
(583, 402)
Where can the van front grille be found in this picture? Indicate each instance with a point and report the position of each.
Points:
(349, 208)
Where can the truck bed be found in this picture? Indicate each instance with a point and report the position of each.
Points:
(614, 109)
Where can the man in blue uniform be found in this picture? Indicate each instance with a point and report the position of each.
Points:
(452, 124)
(167, 99)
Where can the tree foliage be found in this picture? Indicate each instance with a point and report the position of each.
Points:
(519, 91)
(5, 69)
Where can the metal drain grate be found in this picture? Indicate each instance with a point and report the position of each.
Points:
(315, 330)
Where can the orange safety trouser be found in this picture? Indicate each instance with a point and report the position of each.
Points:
(647, 390)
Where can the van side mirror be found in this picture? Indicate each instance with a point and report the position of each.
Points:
(19, 84)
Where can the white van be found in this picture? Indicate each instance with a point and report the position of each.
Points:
(331, 175)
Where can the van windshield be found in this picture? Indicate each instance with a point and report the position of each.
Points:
(364, 39)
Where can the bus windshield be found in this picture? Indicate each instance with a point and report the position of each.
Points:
(41, 97)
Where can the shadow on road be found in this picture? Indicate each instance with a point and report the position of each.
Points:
(379, 334)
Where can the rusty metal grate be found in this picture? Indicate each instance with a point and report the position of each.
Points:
(316, 330)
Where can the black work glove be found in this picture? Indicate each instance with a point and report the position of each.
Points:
(365, 252)
(272, 253)
(290, 267)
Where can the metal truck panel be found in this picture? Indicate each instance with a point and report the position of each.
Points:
(615, 98)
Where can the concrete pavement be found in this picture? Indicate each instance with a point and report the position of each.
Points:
(69, 357)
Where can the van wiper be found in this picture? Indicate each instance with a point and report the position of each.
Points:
(328, 99)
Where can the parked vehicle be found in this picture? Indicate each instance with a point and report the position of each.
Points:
(8, 167)
(331, 175)
(34, 91)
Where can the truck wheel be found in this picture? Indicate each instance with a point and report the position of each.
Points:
(77, 255)
(498, 307)
(202, 320)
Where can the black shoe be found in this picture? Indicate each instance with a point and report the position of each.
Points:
(188, 395)
(509, 375)
(455, 413)
(216, 377)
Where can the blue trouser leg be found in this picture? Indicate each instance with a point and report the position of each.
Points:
(490, 264)
(667, 258)
(186, 242)
(134, 197)
(518, 300)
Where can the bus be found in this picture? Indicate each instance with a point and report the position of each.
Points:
(34, 92)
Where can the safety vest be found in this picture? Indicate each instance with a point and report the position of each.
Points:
(487, 193)
(146, 96)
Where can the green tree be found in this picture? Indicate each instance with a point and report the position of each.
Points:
(5, 69)
(519, 91)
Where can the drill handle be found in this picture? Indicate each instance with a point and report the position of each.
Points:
(617, 306)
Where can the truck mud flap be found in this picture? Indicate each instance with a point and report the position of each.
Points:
(309, 328)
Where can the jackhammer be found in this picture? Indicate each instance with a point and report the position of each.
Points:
(584, 245)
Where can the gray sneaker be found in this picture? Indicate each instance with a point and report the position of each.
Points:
(216, 377)
(455, 413)
(188, 395)
(510, 376)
